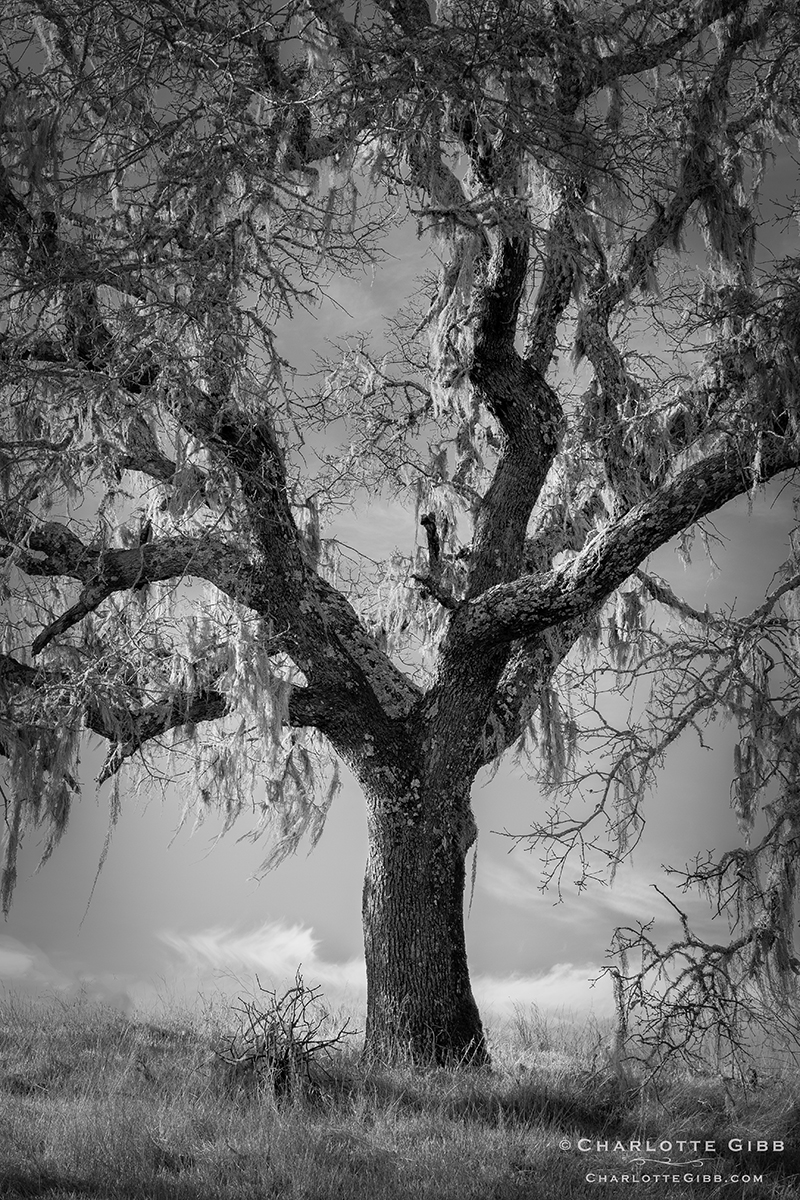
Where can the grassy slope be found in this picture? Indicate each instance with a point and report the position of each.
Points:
(93, 1104)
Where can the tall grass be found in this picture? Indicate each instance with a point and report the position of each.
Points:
(95, 1104)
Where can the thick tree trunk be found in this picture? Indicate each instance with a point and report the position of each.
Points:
(419, 999)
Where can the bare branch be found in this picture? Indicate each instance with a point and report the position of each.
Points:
(654, 54)
(772, 598)
(658, 590)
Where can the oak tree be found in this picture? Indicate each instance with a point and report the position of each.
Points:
(604, 354)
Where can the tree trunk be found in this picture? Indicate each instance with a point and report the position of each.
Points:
(420, 1005)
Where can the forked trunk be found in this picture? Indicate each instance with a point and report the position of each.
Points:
(419, 999)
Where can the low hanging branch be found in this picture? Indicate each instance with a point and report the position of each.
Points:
(154, 722)
(122, 570)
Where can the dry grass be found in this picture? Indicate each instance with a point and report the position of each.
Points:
(93, 1104)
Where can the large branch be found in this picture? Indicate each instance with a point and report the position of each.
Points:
(527, 676)
(525, 407)
(129, 731)
(320, 630)
(328, 640)
(246, 440)
(152, 722)
(349, 658)
(534, 603)
(51, 549)
(173, 711)
(529, 416)
(555, 288)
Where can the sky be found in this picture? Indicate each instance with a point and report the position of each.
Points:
(179, 917)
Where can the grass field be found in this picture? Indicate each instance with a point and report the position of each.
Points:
(96, 1104)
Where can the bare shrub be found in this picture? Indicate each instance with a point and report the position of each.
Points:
(279, 1042)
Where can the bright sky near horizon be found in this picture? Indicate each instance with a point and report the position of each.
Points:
(187, 920)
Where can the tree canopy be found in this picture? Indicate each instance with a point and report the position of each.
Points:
(604, 353)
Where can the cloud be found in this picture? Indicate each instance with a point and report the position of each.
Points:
(565, 987)
(515, 881)
(630, 899)
(273, 952)
(29, 966)
(27, 970)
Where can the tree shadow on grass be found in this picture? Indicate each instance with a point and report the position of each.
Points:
(50, 1185)
(528, 1102)
(594, 1106)
(27, 1185)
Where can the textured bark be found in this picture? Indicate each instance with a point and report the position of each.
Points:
(419, 999)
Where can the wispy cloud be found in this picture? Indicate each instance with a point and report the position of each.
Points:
(632, 897)
(273, 952)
